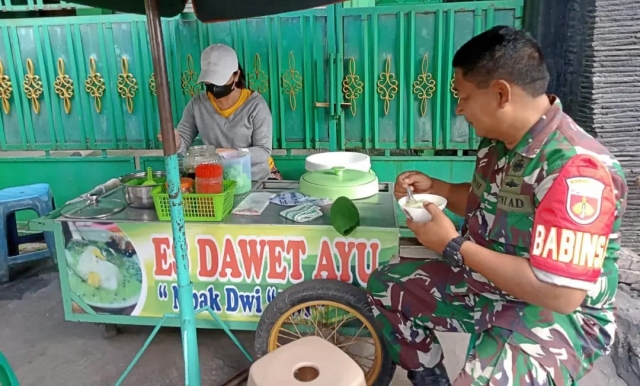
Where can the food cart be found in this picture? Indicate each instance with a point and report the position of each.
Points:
(121, 265)
(237, 266)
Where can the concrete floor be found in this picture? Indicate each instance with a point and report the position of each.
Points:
(45, 350)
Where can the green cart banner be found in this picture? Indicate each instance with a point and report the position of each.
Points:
(129, 269)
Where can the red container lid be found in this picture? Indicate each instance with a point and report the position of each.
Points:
(209, 171)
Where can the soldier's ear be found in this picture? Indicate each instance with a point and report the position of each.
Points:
(503, 93)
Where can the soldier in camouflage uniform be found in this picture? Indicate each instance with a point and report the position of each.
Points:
(533, 275)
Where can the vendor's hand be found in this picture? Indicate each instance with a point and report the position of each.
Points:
(435, 234)
(416, 181)
(176, 134)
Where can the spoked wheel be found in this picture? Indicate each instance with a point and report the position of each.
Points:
(335, 311)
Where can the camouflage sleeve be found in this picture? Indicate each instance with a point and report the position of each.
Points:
(572, 223)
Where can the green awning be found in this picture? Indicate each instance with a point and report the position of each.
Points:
(210, 11)
(166, 8)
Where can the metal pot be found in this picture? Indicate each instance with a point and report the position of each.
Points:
(139, 196)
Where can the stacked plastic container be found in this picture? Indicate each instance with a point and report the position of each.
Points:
(237, 167)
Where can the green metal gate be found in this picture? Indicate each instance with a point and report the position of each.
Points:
(375, 78)
(396, 72)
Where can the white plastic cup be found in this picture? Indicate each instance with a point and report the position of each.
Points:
(421, 214)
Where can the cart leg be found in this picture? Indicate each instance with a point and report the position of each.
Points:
(185, 287)
(109, 331)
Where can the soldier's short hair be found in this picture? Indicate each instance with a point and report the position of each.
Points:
(504, 53)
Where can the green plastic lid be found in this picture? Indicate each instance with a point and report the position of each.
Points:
(339, 177)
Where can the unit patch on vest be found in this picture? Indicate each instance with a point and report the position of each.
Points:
(518, 165)
(584, 199)
(573, 222)
(513, 185)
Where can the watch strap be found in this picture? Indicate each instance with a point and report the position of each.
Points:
(452, 253)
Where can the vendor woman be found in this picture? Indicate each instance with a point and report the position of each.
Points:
(228, 115)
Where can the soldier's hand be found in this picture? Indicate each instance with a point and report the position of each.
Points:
(416, 181)
(435, 234)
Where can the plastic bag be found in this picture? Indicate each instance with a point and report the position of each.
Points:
(254, 204)
(295, 198)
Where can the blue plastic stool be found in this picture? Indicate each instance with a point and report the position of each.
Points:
(35, 197)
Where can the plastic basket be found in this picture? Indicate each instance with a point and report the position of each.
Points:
(197, 207)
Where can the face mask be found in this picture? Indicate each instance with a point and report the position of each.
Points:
(219, 91)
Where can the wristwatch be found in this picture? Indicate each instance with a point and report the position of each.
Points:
(452, 254)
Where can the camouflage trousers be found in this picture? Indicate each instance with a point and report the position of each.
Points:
(411, 300)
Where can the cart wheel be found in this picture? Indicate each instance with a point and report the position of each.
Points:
(109, 331)
(336, 311)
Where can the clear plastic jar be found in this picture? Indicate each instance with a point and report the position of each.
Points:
(197, 155)
(237, 167)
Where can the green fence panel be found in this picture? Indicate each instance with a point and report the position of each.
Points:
(335, 77)
(413, 2)
(382, 55)
(112, 76)
(38, 5)
(13, 132)
(283, 60)
(30, 77)
(147, 101)
(155, 162)
(77, 83)
(468, 23)
(396, 72)
(59, 53)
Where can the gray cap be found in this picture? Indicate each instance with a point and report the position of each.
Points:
(217, 63)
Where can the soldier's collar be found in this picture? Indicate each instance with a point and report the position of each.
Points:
(536, 137)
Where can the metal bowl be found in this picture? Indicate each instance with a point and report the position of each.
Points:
(139, 196)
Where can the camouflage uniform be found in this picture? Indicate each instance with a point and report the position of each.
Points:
(516, 343)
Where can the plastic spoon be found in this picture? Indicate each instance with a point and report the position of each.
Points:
(149, 180)
(410, 199)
